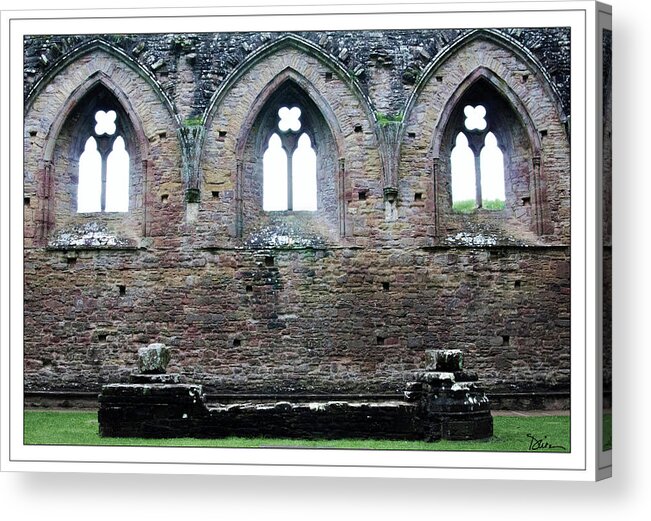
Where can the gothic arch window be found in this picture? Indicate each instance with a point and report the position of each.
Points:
(291, 170)
(98, 161)
(289, 166)
(477, 165)
(490, 162)
(103, 184)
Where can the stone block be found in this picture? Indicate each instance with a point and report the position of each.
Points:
(446, 360)
(139, 378)
(435, 378)
(153, 359)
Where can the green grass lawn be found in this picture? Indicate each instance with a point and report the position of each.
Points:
(470, 205)
(511, 434)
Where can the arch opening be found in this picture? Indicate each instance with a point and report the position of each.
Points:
(290, 166)
(487, 154)
(98, 159)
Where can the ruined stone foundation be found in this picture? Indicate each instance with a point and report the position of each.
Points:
(443, 403)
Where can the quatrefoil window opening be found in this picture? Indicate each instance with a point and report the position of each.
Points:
(289, 167)
(105, 122)
(289, 119)
(103, 183)
(475, 117)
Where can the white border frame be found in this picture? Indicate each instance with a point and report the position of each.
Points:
(579, 464)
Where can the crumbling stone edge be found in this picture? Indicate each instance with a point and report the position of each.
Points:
(443, 402)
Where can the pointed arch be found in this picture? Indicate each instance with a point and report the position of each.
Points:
(231, 150)
(88, 88)
(524, 179)
(289, 77)
(519, 141)
(97, 80)
(500, 39)
(59, 110)
(92, 46)
(501, 87)
(299, 43)
(486, 67)
(289, 88)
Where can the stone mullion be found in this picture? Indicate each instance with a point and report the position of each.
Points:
(290, 187)
(289, 143)
(105, 147)
(103, 194)
(476, 143)
(478, 195)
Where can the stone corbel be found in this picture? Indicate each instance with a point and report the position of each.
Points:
(390, 133)
(191, 142)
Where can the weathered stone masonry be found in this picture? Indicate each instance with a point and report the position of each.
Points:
(341, 301)
(445, 401)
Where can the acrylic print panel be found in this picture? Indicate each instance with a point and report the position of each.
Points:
(606, 444)
(381, 317)
(607, 234)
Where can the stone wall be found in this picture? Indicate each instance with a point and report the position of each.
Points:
(342, 301)
(190, 68)
(324, 320)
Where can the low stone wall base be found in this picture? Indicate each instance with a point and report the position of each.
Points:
(179, 410)
(443, 402)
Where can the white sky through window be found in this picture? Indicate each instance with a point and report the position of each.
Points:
(289, 119)
(105, 122)
(274, 165)
(475, 117)
(462, 162)
(89, 188)
(492, 170)
(303, 168)
(304, 175)
(117, 178)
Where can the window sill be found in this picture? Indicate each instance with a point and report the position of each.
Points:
(289, 213)
(90, 236)
(101, 215)
(91, 247)
(481, 211)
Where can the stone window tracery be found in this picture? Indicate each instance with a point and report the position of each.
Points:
(488, 159)
(289, 166)
(477, 164)
(103, 184)
(96, 160)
